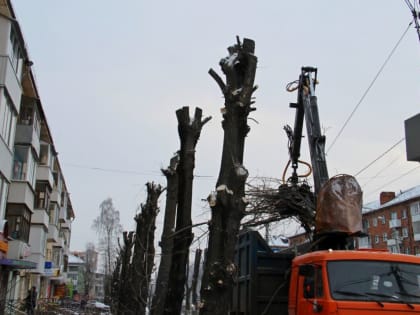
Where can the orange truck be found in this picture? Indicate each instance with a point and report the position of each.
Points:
(331, 277)
(339, 282)
(358, 282)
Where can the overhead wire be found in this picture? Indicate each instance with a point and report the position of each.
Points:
(380, 171)
(416, 15)
(370, 86)
(396, 179)
(379, 157)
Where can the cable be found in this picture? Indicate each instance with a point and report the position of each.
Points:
(151, 173)
(415, 14)
(369, 87)
(378, 173)
(394, 180)
(380, 156)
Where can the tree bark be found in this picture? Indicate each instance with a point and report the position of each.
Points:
(196, 273)
(167, 241)
(228, 202)
(121, 277)
(189, 132)
(144, 250)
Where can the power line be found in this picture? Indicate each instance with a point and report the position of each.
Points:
(396, 179)
(416, 15)
(370, 86)
(380, 156)
(111, 170)
(378, 173)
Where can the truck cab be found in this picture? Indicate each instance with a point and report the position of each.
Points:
(354, 282)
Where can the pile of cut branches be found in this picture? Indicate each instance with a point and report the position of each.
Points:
(273, 201)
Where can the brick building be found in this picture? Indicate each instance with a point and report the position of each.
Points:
(393, 222)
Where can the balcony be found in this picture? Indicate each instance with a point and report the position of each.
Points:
(18, 250)
(66, 225)
(21, 193)
(9, 79)
(45, 174)
(52, 233)
(40, 216)
(417, 236)
(415, 218)
(25, 134)
(392, 242)
(56, 196)
(59, 243)
(394, 223)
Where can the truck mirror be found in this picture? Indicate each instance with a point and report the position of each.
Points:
(307, 270)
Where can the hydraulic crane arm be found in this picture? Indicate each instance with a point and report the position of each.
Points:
(307, 107)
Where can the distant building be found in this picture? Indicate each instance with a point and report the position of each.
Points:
(393, 222)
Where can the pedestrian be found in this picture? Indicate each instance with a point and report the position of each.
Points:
(30, 301)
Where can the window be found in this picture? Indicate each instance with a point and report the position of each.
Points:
(376, 239)
(394, 215)
(405, 232)
(415, 208)
(56, 256)
(385, 237)
(15, 53)
(375, 222)
(19, 219)
(24, 165)
(3, 194)
(53, 213)
(404, 214)
(45, 155)
(382, 218)
(387, 281)
(7, 121)
(42, 196)
(365, 224)
(407, 250)
(313, 287)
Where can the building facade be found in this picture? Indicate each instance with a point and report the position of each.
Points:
(393, 222)
(35, 208)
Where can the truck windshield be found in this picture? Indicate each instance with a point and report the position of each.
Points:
(384, 281)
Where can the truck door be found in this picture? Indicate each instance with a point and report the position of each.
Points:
(310, 293)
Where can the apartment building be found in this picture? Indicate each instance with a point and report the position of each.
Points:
(393, 222)
(35, 207)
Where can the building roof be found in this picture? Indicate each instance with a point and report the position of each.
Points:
(403, 196)
(75, 260)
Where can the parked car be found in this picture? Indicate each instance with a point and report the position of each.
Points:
(96, 305)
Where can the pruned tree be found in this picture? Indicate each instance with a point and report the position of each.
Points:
(121, 276)
(196, 272)
(90, 264)
(167, 240)
(144, 251)
(189, 130)
(228, 202)
(108, 227)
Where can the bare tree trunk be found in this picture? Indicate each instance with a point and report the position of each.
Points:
(167, 241)
(196, 273)
(189, 132)
(228, 202)
(121, 277)
(144, 250)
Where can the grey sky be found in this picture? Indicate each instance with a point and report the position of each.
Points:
(112, 73)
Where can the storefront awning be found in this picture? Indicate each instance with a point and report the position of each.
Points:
(18, 263)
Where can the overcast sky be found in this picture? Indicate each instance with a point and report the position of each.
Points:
(111, 75)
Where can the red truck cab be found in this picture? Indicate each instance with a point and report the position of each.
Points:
(354, 282)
